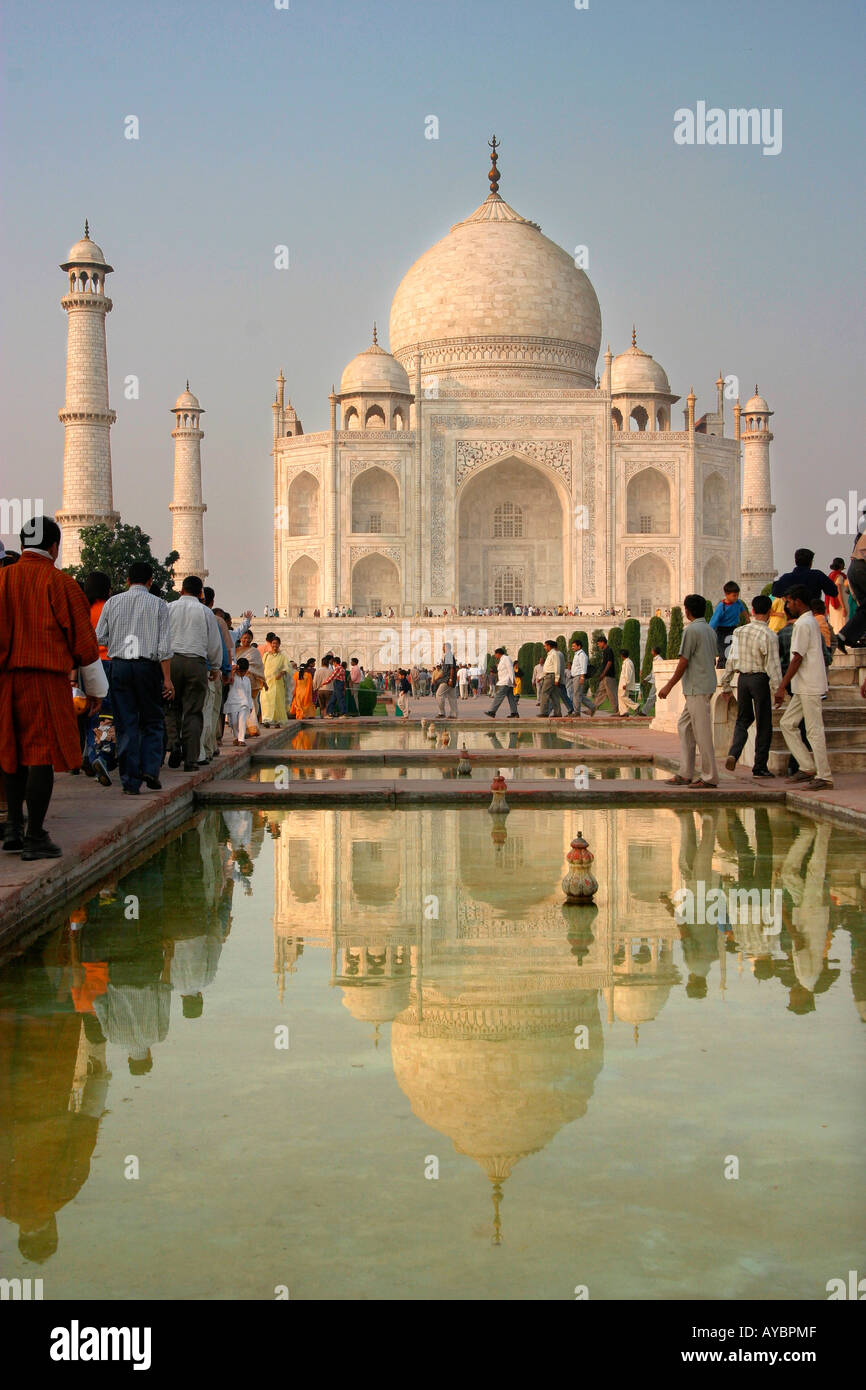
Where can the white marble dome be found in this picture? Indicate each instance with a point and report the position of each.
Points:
(636, 373)
(372, 372)
(187, 401)
(85, 252)
(755, 404)
(497, 298)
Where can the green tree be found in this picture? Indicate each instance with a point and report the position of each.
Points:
(631, 641)
(768, 589)
(526, 662)
(112, 549)
(595, 658)
(656, 637)
(709, 609)
(581, 637)
(614, 638)
(675, 635)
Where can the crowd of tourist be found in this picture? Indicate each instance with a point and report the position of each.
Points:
(174, 677)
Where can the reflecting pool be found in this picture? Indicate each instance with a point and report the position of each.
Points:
(480, 776)
(493, 735)
(551, 1096)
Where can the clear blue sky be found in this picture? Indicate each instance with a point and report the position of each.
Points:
(305, 126)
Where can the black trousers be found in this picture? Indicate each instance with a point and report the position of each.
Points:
(855, 628)
(184, 720)
(753, 707)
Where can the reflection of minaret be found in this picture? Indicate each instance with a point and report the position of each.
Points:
(86, 416)
(187, 508)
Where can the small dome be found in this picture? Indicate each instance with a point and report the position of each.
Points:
(373, 372)
(756, 404)
(635, 373)
(187, 401)
(85, 252)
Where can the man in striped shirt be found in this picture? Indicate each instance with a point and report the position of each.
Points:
(754, 658)
(134, 626)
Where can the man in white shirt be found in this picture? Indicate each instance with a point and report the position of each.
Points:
(551, 674)
(807, 677)
(198, 649)
(579, 668)
(504, 685)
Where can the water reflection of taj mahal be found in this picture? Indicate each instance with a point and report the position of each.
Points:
(457, 936)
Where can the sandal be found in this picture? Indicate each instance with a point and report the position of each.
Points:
(701, 784)
(677, 781)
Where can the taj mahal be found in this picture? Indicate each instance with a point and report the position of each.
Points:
(479, 463)
(482, 462)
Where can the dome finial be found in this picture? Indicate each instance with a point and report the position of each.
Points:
(187, 383)
(497, 1221)
(756, 388)
(633, 336)
(493, 176)
(87, 228)
(375, 337)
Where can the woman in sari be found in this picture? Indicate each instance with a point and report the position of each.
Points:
(274, 693)
(256, 675)
(303, 704)
(837, 608)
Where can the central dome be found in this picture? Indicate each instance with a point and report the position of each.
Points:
(496, 299)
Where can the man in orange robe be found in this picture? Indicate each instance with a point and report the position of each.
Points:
(45, 631)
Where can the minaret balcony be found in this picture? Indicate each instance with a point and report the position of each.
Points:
(87, 299)
(88, 417)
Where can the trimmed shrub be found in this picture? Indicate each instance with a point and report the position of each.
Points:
(595, 657)
(526, 662)
(656, 637)
(709, 610)
(675, 635)
(631, 641)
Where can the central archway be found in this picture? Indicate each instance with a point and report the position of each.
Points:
(375, 586)
(510, 546)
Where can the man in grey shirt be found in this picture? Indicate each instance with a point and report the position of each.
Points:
(696, 669)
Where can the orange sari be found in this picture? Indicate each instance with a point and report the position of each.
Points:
(302, 706)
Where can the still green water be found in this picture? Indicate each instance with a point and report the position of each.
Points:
(481, 772)
(490, 736)
(579, 1079)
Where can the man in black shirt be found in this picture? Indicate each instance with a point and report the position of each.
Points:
(607, 674)
(815, 582)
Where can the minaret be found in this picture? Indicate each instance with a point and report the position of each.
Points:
(86, 417)
(187, 508)
(756, 512)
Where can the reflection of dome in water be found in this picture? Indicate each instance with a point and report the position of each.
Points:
(638, 1001)
(378, 1002)
(499, 1099)
(512, 885)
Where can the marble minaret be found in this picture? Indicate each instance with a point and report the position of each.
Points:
(187, 507)
(86, 416)
(756, 512)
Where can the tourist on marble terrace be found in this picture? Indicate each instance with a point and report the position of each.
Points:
(815, 582)
(807, 677)
(504, 686)
(45, 630)
(134, 628)
(754, 658)
(726, 618)
(696, 668)
(198, 657)
(854, 632)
